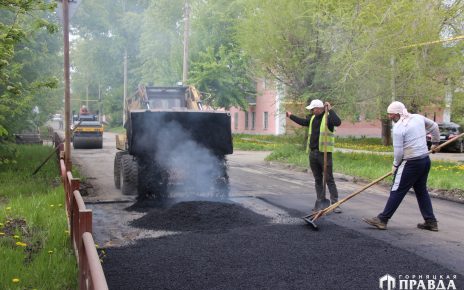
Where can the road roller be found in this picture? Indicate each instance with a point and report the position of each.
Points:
(87, 132)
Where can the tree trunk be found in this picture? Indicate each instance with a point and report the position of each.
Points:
(386, 132)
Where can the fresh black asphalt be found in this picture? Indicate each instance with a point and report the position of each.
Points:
(225, 246)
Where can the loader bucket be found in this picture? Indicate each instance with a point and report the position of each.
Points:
(148, 129)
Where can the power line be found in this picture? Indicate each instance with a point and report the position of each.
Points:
(459, 37)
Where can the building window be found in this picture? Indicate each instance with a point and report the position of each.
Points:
(246, 120)
(236, 120)
(253, 120)
(266, 120)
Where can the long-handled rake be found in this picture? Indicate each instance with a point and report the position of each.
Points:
(311, 218)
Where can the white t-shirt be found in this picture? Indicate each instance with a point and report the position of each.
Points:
(409, 137)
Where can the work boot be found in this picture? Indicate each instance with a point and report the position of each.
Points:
(337, 210)
(376, 222)
(428, 225)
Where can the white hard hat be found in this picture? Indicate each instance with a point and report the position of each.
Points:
(315, 104)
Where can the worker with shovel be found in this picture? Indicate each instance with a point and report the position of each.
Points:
(411, 165)
(320, 144)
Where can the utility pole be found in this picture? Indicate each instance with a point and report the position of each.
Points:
(186, 42)
(125, 88)
(65, 10)
(67, 89)
(125, 75)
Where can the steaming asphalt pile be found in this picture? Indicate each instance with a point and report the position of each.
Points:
(225, 246)
(199, 216)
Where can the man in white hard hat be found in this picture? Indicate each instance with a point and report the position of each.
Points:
(315, 147)
(411, 165)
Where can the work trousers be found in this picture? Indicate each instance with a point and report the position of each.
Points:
(316, 163)
(410, 173)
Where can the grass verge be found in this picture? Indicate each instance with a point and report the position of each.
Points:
(271, 142)
(35, 248)
(443, 175)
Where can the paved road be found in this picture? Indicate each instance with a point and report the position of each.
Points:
(281, 254)
(294, 190)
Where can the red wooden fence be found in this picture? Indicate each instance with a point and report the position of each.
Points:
(91, 274)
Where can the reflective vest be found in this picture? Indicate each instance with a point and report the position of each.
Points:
(330, 136)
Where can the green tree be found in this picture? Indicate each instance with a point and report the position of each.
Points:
(161, 43)
(27, 64)
(360, 54)
(106, 31)
(284, 40)
(387, 50)
(219, 66)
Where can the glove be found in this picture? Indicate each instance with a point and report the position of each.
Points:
(434, 148)
(394, 169)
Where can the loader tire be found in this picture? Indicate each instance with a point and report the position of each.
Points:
(128, 173)
(117, 169)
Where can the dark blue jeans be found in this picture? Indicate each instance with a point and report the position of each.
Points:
(411, 173)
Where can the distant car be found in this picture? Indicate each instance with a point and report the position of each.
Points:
(449, 131)
(57, 117)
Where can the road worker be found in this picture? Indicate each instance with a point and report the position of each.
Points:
(411, 165)
(316, 123)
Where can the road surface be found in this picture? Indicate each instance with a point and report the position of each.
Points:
(282, 253)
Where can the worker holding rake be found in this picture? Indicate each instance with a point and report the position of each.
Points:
(320, 144)
(411, 165)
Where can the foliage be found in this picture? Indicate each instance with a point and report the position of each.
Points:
(357, 54)
(105, 33)
(283, 38)
(387, 51)
(26, 75)
(222, 76)
(161, 45)
(35, 247)
(219, 68)
(457, 106)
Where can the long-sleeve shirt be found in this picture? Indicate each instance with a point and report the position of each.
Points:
(332, 122)
(409, 141)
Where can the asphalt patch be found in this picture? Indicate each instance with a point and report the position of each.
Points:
(199, 216)
(248, 252)
(263, 257)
